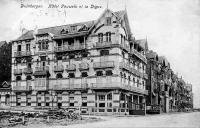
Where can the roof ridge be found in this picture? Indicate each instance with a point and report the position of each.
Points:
(66, 24)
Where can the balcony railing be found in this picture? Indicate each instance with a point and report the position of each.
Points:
(22, 88)
(41, 84)
(168, 82)
(125, 46)
(83, 66)
(118, 85)
(105, 64)
(17, 71)
(28, 70)
(124, 65)
(139, 55)
(71, 67)
(136, 72)
(61, 86)
(69, 48)
(22, 53)
(59, 68)
(103, 44)
(41, 69)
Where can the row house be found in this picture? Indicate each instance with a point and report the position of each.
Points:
(97, 66)
(167, 92)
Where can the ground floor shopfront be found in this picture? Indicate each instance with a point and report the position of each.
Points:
(85, 101)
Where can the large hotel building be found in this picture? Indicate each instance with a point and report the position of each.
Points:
(95, 67)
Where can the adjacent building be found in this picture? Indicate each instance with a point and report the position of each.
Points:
(96, 67)
(167, 92)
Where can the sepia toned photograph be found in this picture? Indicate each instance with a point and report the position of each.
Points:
(99, 64)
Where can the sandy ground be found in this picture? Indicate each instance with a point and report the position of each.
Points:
(178, 120)
(186, 120)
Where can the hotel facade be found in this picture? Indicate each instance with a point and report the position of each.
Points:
(95, 67)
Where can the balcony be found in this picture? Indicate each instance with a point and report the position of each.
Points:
(59, 68)
(61, 86)
(125, 47)
(41, 84)
(28, 71)
(41, 70)
(105, 64)
(114, 85)
(71, 67)
(22, 88)
(124, 65)
(65, 48)
(139, 55)
(104, 44)
(22, 53)
(167, 82)
(83, 66)
(136, 72)
(17, 71)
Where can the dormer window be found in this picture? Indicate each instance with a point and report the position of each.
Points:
(73, 28)
(62, 31)
(108, 20)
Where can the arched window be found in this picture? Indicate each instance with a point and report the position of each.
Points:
(100, 37)
(108, 36)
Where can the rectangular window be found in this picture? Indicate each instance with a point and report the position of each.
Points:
(71, 75)
(19, 48)
(84, 104)
(27, 47)
(84, 74)
(71, 104)
(101, 104)
(104, 52)
(138, 83)
(71, 98)
(99, 73)
(39, 104)
(108, 37)
(109, 73)
(43, 58)
(108, 20)
(73, 28)
(109, 105)
(109, 96)
(102, 97)
(100, 37)
(47, 104)
(43, 45)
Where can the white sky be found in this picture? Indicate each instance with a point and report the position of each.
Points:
(172, 27)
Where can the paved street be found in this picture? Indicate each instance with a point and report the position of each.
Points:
(187, 120)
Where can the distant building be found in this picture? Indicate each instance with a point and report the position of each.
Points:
(5, 94)
(96, 66)
(5, 61)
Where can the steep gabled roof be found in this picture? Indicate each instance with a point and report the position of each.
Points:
(163, 59)
(57, 29)
(2, 43)
(142, 43)
(151, 55)
(120, 13)
(25, 36)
